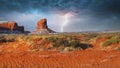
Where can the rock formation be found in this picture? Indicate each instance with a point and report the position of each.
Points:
(42, 24)
(11, 26)
(42, 27)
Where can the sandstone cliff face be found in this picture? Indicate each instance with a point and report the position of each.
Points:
(42, 27)
(13, 26)
(42, 24)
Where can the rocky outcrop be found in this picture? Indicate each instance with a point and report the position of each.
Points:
(42, 27)
(42, 24)
(11, 26)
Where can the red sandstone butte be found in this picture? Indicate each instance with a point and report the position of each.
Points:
(42, 24)
(11, 25)
(42, 27)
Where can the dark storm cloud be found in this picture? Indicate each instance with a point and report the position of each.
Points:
(98, 14)
(101, 6)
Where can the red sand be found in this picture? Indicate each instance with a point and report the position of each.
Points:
(20, 55)
(51, 59)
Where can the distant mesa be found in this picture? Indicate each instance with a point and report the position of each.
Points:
(10, 26)
(42, 27)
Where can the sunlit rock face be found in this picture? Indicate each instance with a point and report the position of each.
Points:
(42, 24)
(42, 27)
(12, 26)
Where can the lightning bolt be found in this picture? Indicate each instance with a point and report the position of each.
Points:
(66, 21)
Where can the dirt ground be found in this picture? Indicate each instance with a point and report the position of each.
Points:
(54, 59)
(20, 55)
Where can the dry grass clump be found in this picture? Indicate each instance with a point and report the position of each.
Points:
(7, 38)
(117, 48)
(112, 40)
(68, 42)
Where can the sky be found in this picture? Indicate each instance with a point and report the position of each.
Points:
(63, 15)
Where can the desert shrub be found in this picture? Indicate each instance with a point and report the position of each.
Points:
(29, 39)
(94, 39)
(67, 42)
(74, 43)
(68, 49)
(7, 38)
(52, 39)
(26, 38)
(20, 38)
(57, 41)
(111, 41)
(88, 37)
(115, 37)
(118, 48)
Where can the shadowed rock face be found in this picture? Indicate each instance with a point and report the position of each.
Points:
(42, 27)
(13, 26)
